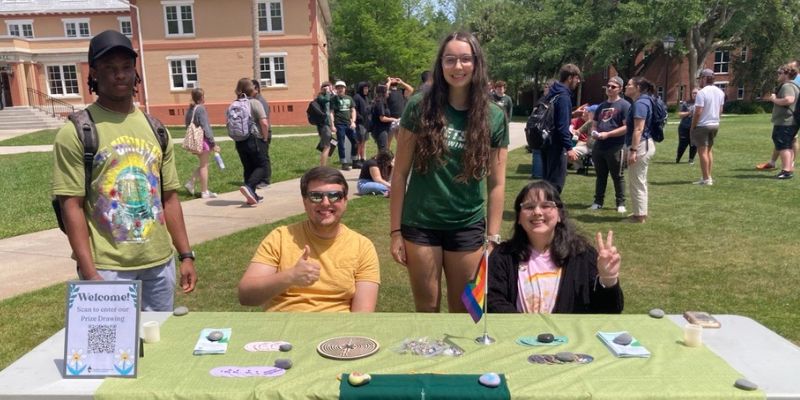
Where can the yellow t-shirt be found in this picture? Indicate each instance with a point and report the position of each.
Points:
(344, 260)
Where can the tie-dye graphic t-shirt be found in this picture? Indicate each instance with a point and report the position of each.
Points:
(125, 214)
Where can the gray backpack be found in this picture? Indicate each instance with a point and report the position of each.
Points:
(240, 119)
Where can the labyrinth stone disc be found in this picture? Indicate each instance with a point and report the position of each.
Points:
(347, 347)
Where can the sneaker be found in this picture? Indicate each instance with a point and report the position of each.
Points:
(765, 166)
(259, 199)
(346, 167)
(785, 175)
(189, 185)
(248, 194)
(208, 195)
(595, 206)
(691, 161)
(622, 209)
(704, 182)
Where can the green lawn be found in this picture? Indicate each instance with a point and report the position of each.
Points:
(728, 248)
(46, 136)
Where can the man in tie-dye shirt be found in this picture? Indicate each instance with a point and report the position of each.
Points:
(127, 225)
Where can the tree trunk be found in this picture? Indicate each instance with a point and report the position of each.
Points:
(256, 43)
(692, 59)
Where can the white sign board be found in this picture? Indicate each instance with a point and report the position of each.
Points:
(102, 335)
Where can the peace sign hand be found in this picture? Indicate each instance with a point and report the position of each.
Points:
(608, 260)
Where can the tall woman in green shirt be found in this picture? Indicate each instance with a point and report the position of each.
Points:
(451, 150)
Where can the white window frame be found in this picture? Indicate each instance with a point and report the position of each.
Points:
(188, 84)
(77, 25)
(123, 20)
(660, 92)
(63, 81)
(740, 92)
(723, 85)
(743, 54)
(722, 66)
(271, 57)
(267, 15)
(178, 4)
(20, 24)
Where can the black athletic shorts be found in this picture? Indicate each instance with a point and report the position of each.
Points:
(468, 238)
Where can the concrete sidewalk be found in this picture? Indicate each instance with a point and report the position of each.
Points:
(41, 259)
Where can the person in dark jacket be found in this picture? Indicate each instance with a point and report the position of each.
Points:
(556, 155)
(547, 267)
(361, 99)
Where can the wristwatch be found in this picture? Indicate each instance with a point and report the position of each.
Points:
(496, 239)
(183, 256)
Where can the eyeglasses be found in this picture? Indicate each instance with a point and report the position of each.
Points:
(546, 205)
(465, 59)
(333, 196)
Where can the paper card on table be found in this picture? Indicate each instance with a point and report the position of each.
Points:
(634, 349)
(264, 346)
(205, 346)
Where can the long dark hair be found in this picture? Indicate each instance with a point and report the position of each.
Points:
(566, 240)
(384, 159)
(431, 147)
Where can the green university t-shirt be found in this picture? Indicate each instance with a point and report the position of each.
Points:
(435, 200)
(341, 106)
(124, 211)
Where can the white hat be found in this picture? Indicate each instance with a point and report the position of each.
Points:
(340, 83)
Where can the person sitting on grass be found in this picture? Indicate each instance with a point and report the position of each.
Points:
(376, 173)
(317, 264)
(547, 267)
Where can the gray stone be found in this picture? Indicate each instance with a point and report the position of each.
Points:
(545, 338)
(656, 313)
(744, 384)
(283, 363)
(215, 336)
(180, 311)
(565, 356)
(285, 347)
(490, 379)
(623, 339)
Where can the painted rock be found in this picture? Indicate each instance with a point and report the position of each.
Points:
(358, 379)
(565, 356)
(283, 363)
(180, 311)
(285, 347)
(623, 339)
(656, 313)
(545, 338)
(215, 336)
(744, 384)
(489, 379)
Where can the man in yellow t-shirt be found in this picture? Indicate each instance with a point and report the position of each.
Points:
(318, 264)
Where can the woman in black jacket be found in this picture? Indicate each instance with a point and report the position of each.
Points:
(547, 267)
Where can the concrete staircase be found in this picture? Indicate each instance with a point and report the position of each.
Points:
(27, 119)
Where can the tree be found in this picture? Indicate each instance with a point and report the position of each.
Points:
(373, 39)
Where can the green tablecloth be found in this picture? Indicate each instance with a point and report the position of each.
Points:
(170, 371)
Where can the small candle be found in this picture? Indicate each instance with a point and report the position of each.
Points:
(151, 332)
(692, 335)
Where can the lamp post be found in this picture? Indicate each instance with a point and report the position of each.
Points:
(668, 43)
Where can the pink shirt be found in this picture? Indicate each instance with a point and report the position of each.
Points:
(538, 284)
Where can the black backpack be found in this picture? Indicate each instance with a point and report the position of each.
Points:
(87, 134)
(541, 124)
(658, 118)
(316, 115)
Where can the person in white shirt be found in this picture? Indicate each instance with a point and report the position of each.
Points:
(705, 123)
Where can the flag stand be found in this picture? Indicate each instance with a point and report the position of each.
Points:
(485, 339)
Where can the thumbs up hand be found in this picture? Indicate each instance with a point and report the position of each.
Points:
(305, 272)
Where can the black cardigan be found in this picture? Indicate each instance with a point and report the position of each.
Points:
(579, 292)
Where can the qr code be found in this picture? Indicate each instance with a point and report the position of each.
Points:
(102, 338)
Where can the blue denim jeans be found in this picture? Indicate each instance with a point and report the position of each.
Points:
(346, 149)
(367, 186)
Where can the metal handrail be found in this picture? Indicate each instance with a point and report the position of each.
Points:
(44, 102)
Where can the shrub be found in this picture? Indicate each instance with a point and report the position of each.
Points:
(743, 107)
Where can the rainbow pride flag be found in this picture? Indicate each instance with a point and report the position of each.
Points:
(474, 296)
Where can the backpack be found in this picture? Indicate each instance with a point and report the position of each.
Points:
(316, 115)
(658, 119)
(239, 119)
(87, 134)
(541, 124)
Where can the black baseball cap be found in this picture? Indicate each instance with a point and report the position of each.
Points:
(106, 41)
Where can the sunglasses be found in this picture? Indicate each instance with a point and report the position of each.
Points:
(333, 196)
(546, 205)
(612, 87)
